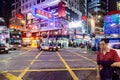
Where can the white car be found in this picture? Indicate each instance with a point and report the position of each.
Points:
(44, 46)
(115, 46)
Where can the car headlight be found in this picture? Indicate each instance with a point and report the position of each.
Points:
(6, 48)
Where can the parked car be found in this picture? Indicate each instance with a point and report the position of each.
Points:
(3, 48)
(115, 46)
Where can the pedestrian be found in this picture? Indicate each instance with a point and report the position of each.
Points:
(106, 57)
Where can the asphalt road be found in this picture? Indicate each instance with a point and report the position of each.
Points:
(32, 64)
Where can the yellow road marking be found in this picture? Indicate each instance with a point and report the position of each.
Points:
(84, 57)
(85, 69)
(11, 76)
(26, 69)
(3, 61)
(68, 68)
(37, 70)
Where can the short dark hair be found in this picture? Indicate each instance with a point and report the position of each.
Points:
(105, 40)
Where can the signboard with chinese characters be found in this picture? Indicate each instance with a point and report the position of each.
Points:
(111, 24)
(40, 13)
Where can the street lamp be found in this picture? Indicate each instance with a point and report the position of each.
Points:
(23, 21)
(99, 16)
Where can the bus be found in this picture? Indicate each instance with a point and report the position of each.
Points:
(15, 39)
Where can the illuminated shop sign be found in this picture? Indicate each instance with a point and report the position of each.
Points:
(40, 13)
(113, 12)
(111, 24)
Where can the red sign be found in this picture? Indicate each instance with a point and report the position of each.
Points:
(113, 12)
(61, 9)
(84, 18)
(19, 16)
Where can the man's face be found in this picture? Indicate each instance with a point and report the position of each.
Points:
(103, 45)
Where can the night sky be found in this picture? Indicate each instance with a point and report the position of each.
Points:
(5, 10)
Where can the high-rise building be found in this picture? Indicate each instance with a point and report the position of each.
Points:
(113, 6)
(97, 8)
(72, 9)
(83, 7)
(64, 11)
(16, 10)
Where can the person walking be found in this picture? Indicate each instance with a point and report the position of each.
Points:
(106, 57)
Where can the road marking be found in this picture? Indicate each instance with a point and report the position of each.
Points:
(3, 61)
(24, 52)
(86, 58)
(83, 57)
(84, 69)
(11, 76)
(17, 55)
(67, 66)
(38, 70)
(26, 69)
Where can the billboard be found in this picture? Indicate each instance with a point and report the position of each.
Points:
(40, 13)
(111, 24)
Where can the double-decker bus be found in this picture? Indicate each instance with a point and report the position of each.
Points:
(15, 39)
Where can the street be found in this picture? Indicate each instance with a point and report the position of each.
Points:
(32, 64)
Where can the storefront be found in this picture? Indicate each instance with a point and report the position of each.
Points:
(30, 39)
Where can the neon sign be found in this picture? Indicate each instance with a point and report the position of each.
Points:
(40, 13)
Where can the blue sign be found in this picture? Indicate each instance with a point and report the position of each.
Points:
(40, 13)
(111, 24)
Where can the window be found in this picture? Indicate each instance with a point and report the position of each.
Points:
(13, 7)
(13, 14)
(118, 5)
(26, 6)
(42, 0)
(22, 7)
(38, 1)
(22, 1)
(13, 1)
(19, 10)
(30, 4)
(17, 0)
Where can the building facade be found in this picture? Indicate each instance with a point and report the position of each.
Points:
(16, 9)
(64, 11)
(97, 8)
